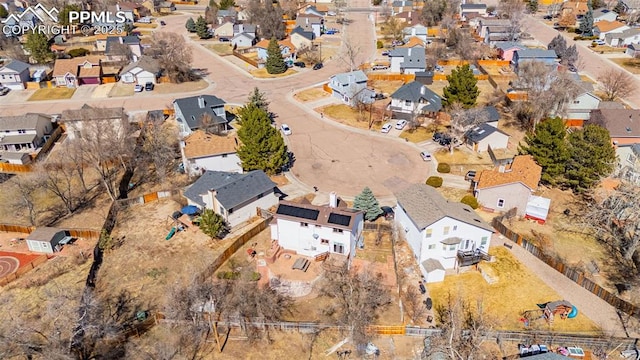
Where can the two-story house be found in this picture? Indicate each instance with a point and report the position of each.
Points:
(628, 166)
(244, 35)
(77, 71)
(351, 88)
(76, 122)
(399, 6)
(287, 49)
(480, 137)
(623, 124)
(234, 196)
(302, 39)
(604, 27)
(202, 151)
(14, 75)
(311, 230)
(578, 111)
(508, 186)
(415, 98)
(407, 60)
(224, 30)
(200, 112)
(507, 48)
(419, 31)
(310, 22)
(467, 10)
(442, 234)
(23, 135)
(485, 23)
(123, 48)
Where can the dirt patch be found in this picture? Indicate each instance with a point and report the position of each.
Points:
(453, 194)
(516, 289)
(311, 94)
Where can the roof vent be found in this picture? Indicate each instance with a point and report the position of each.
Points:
(628, 129)
(201, 102)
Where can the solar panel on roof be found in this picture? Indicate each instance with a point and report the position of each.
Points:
(338, 219)
(299, 212)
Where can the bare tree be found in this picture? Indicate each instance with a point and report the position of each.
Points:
(160, 144)
(59, 180)
(413, 305)
(208, 124)
(122, 52)
(616, 84)
(28, 186)
(268, 18)
(174, 55)
(350, 54)
(392, 28)
(75, 154)
(310, 54)
(513, 10)
(464, 119)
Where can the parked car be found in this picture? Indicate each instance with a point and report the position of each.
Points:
(222, 39)
(600, 42)
(387, 212)
(285, 129)
(331, 31)
(317, 66)
(380, 96)
(423, 290)
(547, 17)
(572, 68)
(442, 138)
(385, 53)
(470, 175)
(397, 43)
(149, 86)
(331, 13)
(425, 155)
(162, 23)
(4, 91)
(386, 128)
(138, 88)
(401, 124)
(299, 64)
(379, 67)
(439, 68)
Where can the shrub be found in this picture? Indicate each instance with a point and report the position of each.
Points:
(78, 52)
(255, 276)
(434, 181)
(471, 201)
(444, 168)
(228, 275)
(379, 44)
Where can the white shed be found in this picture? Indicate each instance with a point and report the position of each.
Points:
(47, 240)
(538, 208)
(433, 270)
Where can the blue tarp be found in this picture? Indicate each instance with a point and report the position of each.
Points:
(189, 210)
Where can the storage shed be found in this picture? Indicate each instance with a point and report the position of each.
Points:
(47, 240)
(433, 270)
(537, 209)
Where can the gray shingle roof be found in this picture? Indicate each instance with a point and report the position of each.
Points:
(87, 112)
(414, 58)
(432, 264)
(415, 91)
(145, 63)
(112, 40)
(536, 54)
(344, 78)
(27, 121)
(419, 30)
(506, 45)
(473, 6)
(246, 28)
(18, 139)
(623, 34)
(17, 66)
(624, 123)
(424, 205)
(492, 113)
(232, 189)
(43, 233)
(547, 356)
(193, 113)
(481, 132)
(399, 3)
(306, 34)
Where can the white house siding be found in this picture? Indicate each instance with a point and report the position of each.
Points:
(497, 140)
(185, 130)
(39, 246)
(411, 232)
(581, 107)
(434, 276)
(618, 30)
(248, 210)
(226, 162)
(514, 195)
(292, 235)
(610, 16)
(401, 106)
(145, 76)
(396, 61)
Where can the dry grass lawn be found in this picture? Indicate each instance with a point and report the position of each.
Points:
(462, 156)
(263, 74)
(220, 49)
(607, 49)
(167, 88)
(632, 65)
(452, 194)
(311, 94)
(121, 90)
(517, 289)
(344, 114)
(417, 135)
(386, 86)
(52, 94)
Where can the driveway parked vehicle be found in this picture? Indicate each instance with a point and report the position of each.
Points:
(379, 67)
(4, 90)
(317, 66)
(285, 129)
(470, 175)
(138, 88)
(299, 64)
(425, 155)
(401, 124)
(149, 86)
(386, 128)
(387, 212)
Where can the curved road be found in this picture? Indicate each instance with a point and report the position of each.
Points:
(328, 155)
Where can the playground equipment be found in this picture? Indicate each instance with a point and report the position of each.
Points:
(171, 233)
(549, 311)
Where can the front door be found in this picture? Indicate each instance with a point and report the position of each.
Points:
(338, 248)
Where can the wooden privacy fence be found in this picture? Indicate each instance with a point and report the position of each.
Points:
(89, 234)
(566, 270)
(17, 228)
(390, 77)
(15, 168)
(327, 88)
(24, 268)
(245, 59)
(149, 197)
(494, 62)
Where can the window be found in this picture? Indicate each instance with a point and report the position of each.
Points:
(224, 155)
(576, 101)
(324, 241)
(446, 230)
(407, 103)
(452, 247)
(337, 230)
(22, 131)
(444, 247)
(455, 227)
(429, 233)
(431, 247)
(484, 240)
(221, 210)
(501, 203)
(303, 224)
(466, 244)
(338, 248)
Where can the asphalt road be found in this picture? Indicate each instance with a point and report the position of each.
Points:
(328, 155)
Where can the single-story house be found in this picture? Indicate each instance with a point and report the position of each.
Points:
(508, 186)
(415, 98)
(633, 50)
(145, 70)
(243, 40)
(309, 22)
(200, 112)
(14, 75)
(507, 48)
(624, 38)
(628, 166)
(575, 8)
(317, 10)
(287, 49)
(23, 134)
(399, 6)
(442, 234)
(47, 240)
(76, 120)
(351, 88)
(494, 34)
(484, 135)
(234, 196)
(83, 70)
(418, 30)
(623, 124)
(604, 27)
(604, 15)
(407, 60)
(302, 39)
(549, 57)
(469, 9)
(201, 151)
(312, 230)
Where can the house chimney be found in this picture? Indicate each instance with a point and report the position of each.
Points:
(201, 102)
(121, 40)
(409, 52)
(501, 169)
(333, 199)
(423, 90)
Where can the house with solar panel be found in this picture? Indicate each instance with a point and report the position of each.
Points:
(313, 230)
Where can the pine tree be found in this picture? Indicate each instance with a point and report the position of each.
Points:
(368, 203)
(586, 24)
(591, 157)
(262, 146)
(570, 56)
(548, 147)
(532, 6)
(38, 46)
(3, 12)
(190, 25)
(201, 28)
(275, 62)
(226, 4)
(559, 44)
(259, 99)
(462, 87)
(213, 224)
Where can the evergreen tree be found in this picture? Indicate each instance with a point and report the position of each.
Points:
(586, 24)
(548, 147)
(259, 100)
(559, 44)
(226, 4)
(532, 6)
(462, 87)
(3, 12)
(201, 28)
(275, 62)
(262, 146)
(63, 16)
(38, 46)
(591, 157)
(190, 25)
(213, 224)
(368, 203)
